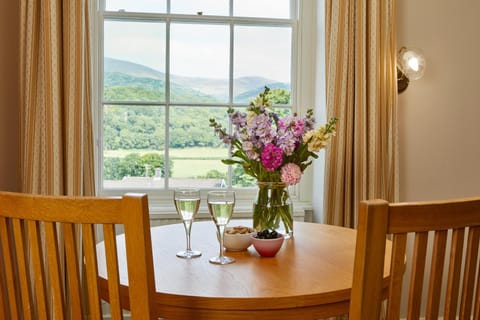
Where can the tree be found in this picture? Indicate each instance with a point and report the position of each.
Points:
(155, 161)
(134, 165)
(214, 174)
(110, 168)
(130, 166)
(279, 96)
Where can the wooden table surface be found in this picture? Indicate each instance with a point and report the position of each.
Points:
(309, 278)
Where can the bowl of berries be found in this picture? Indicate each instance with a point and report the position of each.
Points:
(267, 242)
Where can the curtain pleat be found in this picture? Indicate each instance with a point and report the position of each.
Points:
(56, 117)
(56, 128)
(362, 163)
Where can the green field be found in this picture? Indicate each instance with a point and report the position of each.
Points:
(188, 162)
(184, 168)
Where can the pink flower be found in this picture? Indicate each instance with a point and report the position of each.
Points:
(291, 174)
(271, 157)
(294, 124)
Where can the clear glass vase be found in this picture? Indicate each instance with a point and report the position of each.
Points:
(273, 208)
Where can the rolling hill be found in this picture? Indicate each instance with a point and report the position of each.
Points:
(123, 79)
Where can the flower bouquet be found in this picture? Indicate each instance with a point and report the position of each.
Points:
(275, 151)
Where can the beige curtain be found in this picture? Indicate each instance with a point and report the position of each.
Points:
(361, 90)
(56, 117)
(56, 150)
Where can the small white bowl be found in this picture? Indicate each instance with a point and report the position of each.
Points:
(237, 241)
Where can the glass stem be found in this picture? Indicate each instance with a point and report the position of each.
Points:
(188, 228)
(221, 230)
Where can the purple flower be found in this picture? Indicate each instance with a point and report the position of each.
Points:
(221, 132)
(238, 119)
(260, 130)
(291, 174)
(250, 151)
(290, 133)
(271, 157)
(288, 142)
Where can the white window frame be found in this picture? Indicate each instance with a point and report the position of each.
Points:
(302, 95)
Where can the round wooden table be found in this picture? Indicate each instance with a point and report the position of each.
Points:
(309, 278)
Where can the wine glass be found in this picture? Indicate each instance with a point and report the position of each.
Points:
(187, 202)
(220, 206)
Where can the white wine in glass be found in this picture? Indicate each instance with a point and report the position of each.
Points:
(220, 206)
(187, 202)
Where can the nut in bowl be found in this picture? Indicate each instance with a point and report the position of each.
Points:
(238, 238)
(267, 243)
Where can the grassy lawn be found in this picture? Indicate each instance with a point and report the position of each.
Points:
(184, 168)
(188, 162)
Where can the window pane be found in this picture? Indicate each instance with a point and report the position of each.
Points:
(262, 8)
(269, 65)
(199, 63)
(195, 151)
(133, 146)
(158, 6)
(206, 7)
(134, 61)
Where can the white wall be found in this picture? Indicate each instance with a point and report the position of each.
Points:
(439, 114)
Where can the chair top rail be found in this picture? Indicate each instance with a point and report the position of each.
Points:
(69, 210)
(425, 216)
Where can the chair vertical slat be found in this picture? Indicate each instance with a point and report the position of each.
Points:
(91, 271)
(418, 271)
(8, 263)
(112, 271)
(137, 228)
(41, 302)
(453, 282)
(22, 268)
(54, 270)
(3, 288)
(476, 311)
(73, 273)
(397, 268)
(471, 258)
(436, 274)
(373, 218)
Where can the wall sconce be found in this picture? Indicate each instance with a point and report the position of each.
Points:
(410, 66)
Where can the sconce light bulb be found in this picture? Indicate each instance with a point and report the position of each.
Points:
(413, 64)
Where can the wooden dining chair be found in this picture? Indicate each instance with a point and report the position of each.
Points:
(41, 241)
(445, 251)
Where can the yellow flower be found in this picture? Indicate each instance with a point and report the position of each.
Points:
(318, 139)
(250, 116)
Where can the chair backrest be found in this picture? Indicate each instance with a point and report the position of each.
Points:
(451, 232)
(48, 256)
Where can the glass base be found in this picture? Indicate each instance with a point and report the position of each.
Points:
(188, 254)
(221, 260)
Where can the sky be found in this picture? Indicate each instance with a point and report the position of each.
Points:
(262, 8)
(200, 51)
